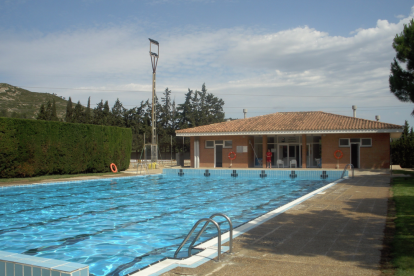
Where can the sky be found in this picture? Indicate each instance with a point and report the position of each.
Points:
(264, 56)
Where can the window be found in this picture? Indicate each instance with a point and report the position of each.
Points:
(355, 140)
(366, 142)
(344, 142)
(226, 144)
(241, 149)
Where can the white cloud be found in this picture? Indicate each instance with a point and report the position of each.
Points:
(299, 61)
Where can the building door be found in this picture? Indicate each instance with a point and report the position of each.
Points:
(219, 156)
(282, 156)
(287, 153)
(355, 155)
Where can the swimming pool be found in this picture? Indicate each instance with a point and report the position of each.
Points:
(120, 225)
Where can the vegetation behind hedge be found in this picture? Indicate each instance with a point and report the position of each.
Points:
(32, 148)
(402, 149)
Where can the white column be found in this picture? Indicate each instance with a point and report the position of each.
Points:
(196, 152)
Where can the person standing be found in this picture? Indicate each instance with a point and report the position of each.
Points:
(268, 159)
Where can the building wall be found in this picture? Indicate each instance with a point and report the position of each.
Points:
(375, 157)
(243, 160)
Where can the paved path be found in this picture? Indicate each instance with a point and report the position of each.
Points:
(338, 232)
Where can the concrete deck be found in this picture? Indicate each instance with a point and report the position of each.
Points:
(338, 232)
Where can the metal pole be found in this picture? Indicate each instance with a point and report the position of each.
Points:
(153, 125)
(154, 62)
(171, 152)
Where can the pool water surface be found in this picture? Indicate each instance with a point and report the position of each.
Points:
(117, 226)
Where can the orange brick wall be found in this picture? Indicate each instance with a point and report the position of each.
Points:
(243, 160)
(375, 157)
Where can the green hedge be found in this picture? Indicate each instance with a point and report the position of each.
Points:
(32, 148)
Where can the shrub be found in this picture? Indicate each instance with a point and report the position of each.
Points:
(32, 148)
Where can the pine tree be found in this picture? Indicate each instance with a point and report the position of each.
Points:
(78, 114)
(54, 116)
(402, 148)
(106, 119)
(87, 114)
(42, 113)
(118, 112)
(186, 111)
(69, 111)
(48, 112)
(402, 81)
(98, 113)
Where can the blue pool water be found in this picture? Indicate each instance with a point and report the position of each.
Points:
(117, 226)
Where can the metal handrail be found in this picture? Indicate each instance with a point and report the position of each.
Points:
(350, 165)
(192, 230)
(204, 227)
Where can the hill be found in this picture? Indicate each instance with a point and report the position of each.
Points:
(21, 101)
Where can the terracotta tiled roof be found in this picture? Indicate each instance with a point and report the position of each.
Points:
(293, 121)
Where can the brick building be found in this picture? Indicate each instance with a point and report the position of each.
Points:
(301, 139)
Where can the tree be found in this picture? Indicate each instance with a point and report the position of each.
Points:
(87, 115)
(402, 81)
(42, 113)
(78, 114)
(69, 111)
(106, 114)
(200, 108)
(98, 113)
(118, 112)
(53, 115)
(102, 114)
(402, 148)
(186, 111)
(48, 111)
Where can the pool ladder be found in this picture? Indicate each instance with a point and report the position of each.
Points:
(348, 165)
(207, 220)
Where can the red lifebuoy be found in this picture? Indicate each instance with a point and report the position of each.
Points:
(234, 155)
(113, 167)
(340, 154)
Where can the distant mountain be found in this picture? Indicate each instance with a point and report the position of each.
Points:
(21, 101)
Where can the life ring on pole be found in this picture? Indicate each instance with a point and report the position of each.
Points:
(340, 154)
(234, 155)
(113, 167)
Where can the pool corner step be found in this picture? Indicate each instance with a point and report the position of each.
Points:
(207, 254)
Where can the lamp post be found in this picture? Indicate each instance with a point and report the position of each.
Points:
(154, 62)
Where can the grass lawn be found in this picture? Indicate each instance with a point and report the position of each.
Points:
(54, 176)
(403, 242)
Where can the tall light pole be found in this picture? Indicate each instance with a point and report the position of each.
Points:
(154, 62)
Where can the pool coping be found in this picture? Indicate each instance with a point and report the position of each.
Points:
(209, 247)
(71, 181)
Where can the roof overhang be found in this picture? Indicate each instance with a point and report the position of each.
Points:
(395, 133)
